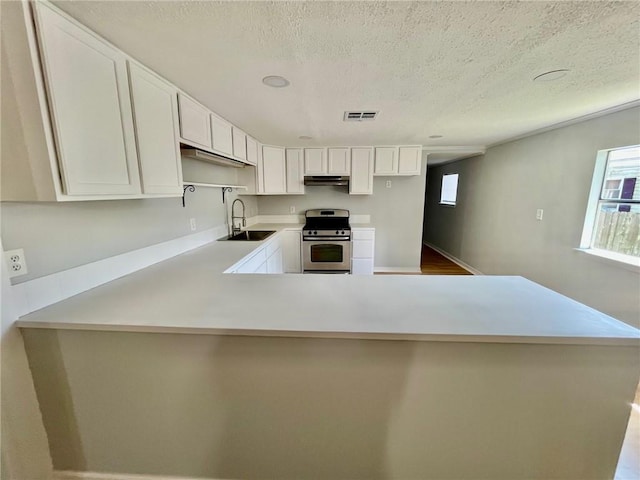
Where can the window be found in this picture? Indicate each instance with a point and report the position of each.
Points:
(612, 224)
(449, 190)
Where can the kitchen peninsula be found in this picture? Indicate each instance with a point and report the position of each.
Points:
(329, 376)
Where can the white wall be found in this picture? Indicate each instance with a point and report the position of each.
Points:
(396, 213)
(493, 227)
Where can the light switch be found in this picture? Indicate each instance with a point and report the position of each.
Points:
(388, 184)
(539, 213)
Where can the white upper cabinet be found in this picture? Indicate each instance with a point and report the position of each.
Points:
(339, 161)
(315, 161)
(221, 134)
(155, 110)
(409, 160)
(273, 170)
(239, 144)
(386, 161)
(295, 170)
(403, 160)
(361, 181)
(195, 122)
(252, 150)
(88, 91)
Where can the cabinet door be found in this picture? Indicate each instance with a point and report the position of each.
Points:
(90, 106)
(409, 160)
(295, 173)
(339, 161)
(155, 110)
(273, 170)
(361, 181)
(274, 262)
(221, 135)
(292, 251)
(252, 151)
(239, 144)
(315, 161)
(195, 122)
(386, 161)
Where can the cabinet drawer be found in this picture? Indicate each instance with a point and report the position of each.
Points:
(362, 266)
(368, 234)
(362, 249)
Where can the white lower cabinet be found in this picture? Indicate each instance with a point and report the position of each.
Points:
(292, 251)
(266, 259)
(362, 251)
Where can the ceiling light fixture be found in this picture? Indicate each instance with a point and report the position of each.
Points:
(305, 137)
(551, 75)
(435, 136)
(275, 81)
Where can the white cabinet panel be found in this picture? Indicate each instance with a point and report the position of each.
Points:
(409, 159)
(292, 251)
(155, 110)
(274, 262)
(315, 161)
(362, 251)
(252, 151)
(254, 263)
(221, 134)
(361, 181)
(195, 121)
(339, 161)
(386, 161)
(295, 170)
(239, 144)
(273, 170)
(90, 106)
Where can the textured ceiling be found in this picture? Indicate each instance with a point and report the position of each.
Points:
(462, 70)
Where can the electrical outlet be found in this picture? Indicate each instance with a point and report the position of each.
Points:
(292, 209)
(539, 213)
(16, 262)
(388, 184)
(192, 223)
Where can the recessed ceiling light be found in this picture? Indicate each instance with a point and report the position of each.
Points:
(435, 136)
(551, 75)
(305, 137)
(275, 81)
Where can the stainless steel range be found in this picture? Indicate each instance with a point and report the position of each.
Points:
(326, 241)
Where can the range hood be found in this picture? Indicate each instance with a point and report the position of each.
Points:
(210, 157)
(324, 180)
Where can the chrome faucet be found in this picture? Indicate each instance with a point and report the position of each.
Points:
(235, 229)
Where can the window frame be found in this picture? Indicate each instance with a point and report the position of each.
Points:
(588, 231)
(455, 201)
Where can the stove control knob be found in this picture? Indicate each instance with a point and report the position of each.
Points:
(315, 233)
(342, 233)
(337, 232)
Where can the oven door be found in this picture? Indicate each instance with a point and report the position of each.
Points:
(326, 256)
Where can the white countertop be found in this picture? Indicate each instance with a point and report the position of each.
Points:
(190, 294)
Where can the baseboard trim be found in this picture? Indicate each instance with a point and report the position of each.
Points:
(44, 291)
(396, 270)
(71, 475)
(455, 260)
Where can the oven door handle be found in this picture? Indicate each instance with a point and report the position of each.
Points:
(322, 239)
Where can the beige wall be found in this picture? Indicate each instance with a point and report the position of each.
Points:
(302, 408)
(24, 453)
(494, 228)
(396, 213)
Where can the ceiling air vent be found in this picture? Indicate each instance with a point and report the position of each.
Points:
(359, 116)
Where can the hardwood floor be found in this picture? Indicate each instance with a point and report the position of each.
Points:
(432, 263)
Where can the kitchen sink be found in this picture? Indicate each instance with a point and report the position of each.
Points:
(251, 235)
